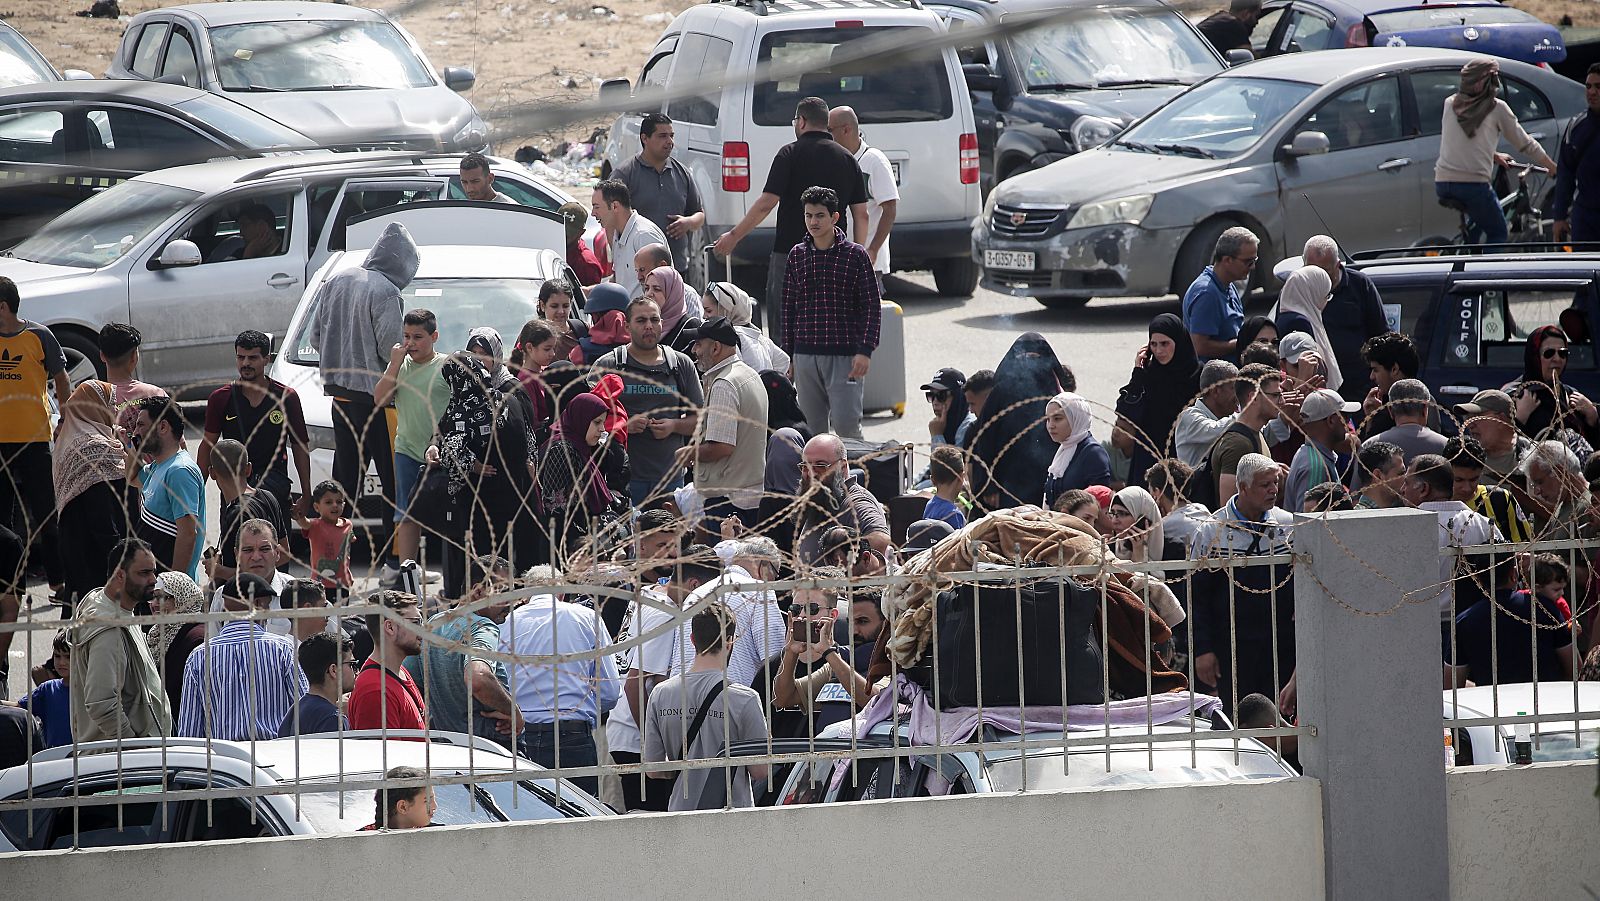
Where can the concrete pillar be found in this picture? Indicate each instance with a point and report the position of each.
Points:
(1370, 686)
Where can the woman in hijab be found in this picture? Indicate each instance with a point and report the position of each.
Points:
(574, 496)
(1010, 447)
(1543, 403)
(485, 344)
(89, 469)
(171, 643)
(783, 404)
(489, 450)
(1080, 461)
(1254, 329)
(1305, 292)
(755, 348)
(665, 286)
(1135, 520)
(1165, 379)
(1475, 119)
(780, 486)
(555, 307)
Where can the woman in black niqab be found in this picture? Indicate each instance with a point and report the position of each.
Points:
(1010, 448)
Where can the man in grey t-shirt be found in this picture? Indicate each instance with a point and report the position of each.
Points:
(732, 713)
(1409, 404)
(662, 394)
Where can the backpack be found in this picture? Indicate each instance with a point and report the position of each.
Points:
(1202, 487)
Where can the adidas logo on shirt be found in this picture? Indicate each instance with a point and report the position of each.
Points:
(8, 366)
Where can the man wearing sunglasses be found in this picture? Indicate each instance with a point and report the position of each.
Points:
(329, 662)
(1212, 307)
(812, 684)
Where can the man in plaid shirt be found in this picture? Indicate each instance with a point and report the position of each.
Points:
(831, 311)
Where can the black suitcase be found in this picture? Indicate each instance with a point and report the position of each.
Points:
(982, 622)
(887, 465)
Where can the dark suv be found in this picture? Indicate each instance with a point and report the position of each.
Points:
(1072, 81)
(1470, 313)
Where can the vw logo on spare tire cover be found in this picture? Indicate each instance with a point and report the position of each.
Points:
(1470, 34)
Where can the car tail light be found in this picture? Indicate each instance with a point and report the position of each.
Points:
(736, 167)
(969, 159)
(850, 23)
(1357, 35)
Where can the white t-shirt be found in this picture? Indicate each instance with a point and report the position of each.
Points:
(879, 174)
(654, 656)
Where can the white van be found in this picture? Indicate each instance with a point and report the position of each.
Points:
(916, 110)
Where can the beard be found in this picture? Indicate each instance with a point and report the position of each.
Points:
(823, 501)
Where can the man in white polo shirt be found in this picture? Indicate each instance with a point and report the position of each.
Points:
(883, 194)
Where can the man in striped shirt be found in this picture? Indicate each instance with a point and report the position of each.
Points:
(238, 685)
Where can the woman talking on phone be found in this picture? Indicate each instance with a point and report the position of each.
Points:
(1543, 403)
(1475, 119)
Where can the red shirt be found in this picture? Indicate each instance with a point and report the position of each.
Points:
(330, 551)
(584, 264)
(384, 699)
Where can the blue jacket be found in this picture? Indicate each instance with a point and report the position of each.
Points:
(1578, 168)
(1091, 465)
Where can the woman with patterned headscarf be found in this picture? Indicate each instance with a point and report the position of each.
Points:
(171, 643)
(1475, 119)
(89, 468)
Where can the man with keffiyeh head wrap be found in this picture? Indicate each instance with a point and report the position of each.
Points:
(1475, 118)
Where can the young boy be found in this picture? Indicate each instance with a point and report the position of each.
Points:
(415, 382)
(1544, 656)
(51, 701)
(945, 468)
(329, 537)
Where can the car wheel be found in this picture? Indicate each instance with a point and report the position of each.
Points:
(1196, 253)
(955, 276)
(83, 356)
(1064, 303)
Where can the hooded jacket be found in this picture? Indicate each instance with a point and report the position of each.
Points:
(356, 313)
(116, 688)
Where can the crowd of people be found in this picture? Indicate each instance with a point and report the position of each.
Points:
(636, 448)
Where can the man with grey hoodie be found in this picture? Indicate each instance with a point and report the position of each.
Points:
(355, 322)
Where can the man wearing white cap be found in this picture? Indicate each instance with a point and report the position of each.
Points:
(1328, 449)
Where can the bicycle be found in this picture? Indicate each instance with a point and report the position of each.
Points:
(1525, 222)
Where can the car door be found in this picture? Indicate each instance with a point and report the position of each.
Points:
(199, 309)
(130, 821)
(42, 166)
(182, 59)
(1268, 37)
(333, 209)
(1366, 190)
(1307, 28)
(136, 139)
(1483, 327)
(144, 60)
(697, 122)
(652, 78)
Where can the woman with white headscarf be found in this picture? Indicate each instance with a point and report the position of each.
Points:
(1080, 461)
(1305, 293)
(1137, 519)
(755, 348)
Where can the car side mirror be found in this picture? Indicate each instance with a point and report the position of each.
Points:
(981, 77)
(458, 79)
(77, 75)
(1307, 143)
(1238, 56)
(174, 78)
(615, 90)
(178, 254)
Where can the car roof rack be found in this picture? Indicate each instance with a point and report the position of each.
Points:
(454, 739)
(216, 747)
(414, 157)
(770, 7)
(1541, 250)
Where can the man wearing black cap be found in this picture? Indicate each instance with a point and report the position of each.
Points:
(924, 534)
(946, 393)
(240, 683)
(729, 448)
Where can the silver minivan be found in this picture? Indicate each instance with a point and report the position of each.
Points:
(917, 111)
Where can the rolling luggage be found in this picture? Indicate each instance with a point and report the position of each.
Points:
(886, 465)
(885, 388)
(978, 628)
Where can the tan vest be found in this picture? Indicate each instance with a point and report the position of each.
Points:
(738, 477)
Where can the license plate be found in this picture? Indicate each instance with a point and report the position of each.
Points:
(895, 165)
(371, 485)
(1008, 259)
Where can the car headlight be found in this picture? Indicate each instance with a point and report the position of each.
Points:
(473, 135)
(988, 205)
(1108, 212)
(1091, 131)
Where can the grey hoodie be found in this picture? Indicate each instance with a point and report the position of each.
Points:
(356, 314)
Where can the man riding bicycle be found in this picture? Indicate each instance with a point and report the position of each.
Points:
(1475, 118)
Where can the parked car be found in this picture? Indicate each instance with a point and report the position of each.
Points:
(1471, 312)
(1209, 759)
(345, 75)
(145, 252)
(62, 142)
(22, 63)
(1482, 26)
(1292, 146)
(1553, 740)
(1044, 93)
(915, 110)
(312, 767)
(480, 264)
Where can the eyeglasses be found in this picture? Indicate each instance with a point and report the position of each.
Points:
(353, 664)
(818, 465)
(806, 609)
(1551, 353)
(1249, 262)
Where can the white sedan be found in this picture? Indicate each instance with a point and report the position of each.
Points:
(1557, 739)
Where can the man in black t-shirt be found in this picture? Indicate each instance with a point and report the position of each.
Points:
(1230, 29)
(262, 414)
(814, 159)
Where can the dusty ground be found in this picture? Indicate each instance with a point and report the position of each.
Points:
(549, 51)
(552, 51)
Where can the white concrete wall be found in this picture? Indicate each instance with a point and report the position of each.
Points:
(1231, 841)
(1524, 832)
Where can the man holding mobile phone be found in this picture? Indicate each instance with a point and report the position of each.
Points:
(811, 684)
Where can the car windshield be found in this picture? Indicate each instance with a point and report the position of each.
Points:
(488, 802)
(1163, 766)
(1112, 47)
(462, 304)
(1221, 117)
(315, 56)
(829, 63)
(1447, 17)
(1583, 745)
(18, 63)
(106, 226)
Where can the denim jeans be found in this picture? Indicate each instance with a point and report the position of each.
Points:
(576, 740)
(1486, 224)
